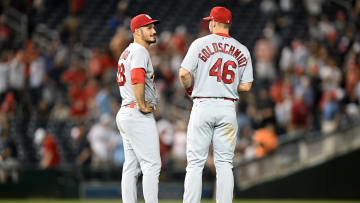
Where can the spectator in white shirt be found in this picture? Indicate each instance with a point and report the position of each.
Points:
(178, 151)
(17, 75)
(37, 73)
(4, 68)
(99, 138)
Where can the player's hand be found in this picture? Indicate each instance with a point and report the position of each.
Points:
(147, 108)
(189, 91)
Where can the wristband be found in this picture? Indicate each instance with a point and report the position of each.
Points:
(189, 90)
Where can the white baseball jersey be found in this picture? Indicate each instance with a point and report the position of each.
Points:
(135, 56)
(218, 64)
(139, 132)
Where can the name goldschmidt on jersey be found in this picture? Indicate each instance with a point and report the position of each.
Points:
(209, 50)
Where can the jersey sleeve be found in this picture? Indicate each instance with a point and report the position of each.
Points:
(191, 59)
(247, 76)
(139, 60)
(137, 75)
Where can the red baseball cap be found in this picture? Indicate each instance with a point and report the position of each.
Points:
(141, 20)
(220, 14)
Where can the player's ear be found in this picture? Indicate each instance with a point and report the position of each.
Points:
(216, 24)
(213, 24)
(136, 32)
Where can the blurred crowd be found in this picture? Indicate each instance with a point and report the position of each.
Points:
(307, 82)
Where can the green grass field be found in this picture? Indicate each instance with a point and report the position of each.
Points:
(174, 201)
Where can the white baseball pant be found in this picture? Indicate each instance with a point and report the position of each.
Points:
(211, 120)
(142, 154)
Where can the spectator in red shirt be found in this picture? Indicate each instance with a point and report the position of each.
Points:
(77, 6)
(299, 114)
(8, 104)
(50, 157)
(76, 75)
(352, 78)
(100, 63)
(82, 99)
(78, 109)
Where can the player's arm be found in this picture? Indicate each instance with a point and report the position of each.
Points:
(188, 66)
(186, 80)
(247, 77)
(138, 85)
(84, 155)
(46, 160)
(139, 92)
(244, 87)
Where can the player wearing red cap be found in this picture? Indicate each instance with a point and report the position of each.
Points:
(215, 69)
(135, 119)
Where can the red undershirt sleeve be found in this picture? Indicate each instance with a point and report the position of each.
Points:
(137, 75)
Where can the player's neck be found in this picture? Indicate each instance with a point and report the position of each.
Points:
(142, 43)
(219, 30)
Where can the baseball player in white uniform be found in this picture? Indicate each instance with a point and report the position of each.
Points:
(215, 69)
(135, 119)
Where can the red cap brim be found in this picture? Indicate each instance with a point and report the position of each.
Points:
(207, 18)
(153, 21)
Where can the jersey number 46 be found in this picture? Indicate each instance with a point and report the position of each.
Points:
(120, 76)
(224, 74)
